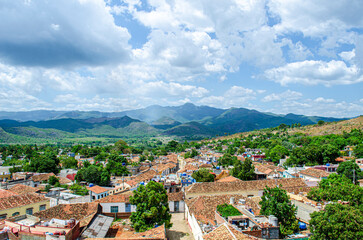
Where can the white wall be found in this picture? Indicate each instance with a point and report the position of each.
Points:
(106, 207)
(181, 206)
(193, 224)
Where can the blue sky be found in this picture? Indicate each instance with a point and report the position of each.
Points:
(298, 56)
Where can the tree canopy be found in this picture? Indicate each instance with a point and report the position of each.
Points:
(337, 222)
(152, 207)
(244, 170)
(337, 187)
(276, 202)
(351, 170)
(203, 175)
(94, 174)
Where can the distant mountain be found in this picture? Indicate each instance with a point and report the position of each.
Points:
(188, 121)
(191, 130)
(165, 123)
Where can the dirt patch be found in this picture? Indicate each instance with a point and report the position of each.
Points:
(180, 229)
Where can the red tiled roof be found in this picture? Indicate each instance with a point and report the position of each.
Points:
(41, 177)
(116, 198)
(21, 189)
(175, 196)
(6, 193)
(210, 187)
(229, 179)
(20, 200)
(83, 212)
(155, 233)
(64, 180)
(317, 173)
(71, 176)
(225, 232)
(97, 189)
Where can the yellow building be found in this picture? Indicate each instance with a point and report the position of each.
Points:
(28, 203)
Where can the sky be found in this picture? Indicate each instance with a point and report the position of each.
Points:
(296, 56)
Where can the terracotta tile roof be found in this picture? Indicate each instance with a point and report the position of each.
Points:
(20, 200)
(225, 232)
(155, 233)
(146, 176)
(188, 168)
(223, 174)
(229, 179)
(209, 187)
(262, 168)
(6, 193)
(21, 189)
(83, 212)
(116, 198)
(206, 165)
(64, 180)
(131, 183)
(71, 176)
(176, 196)
(41, 177)
(144, 168)
(97, 189)
(204, 207)
(317, 173)
(172, 157)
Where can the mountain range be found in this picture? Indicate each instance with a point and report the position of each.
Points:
(186, 121)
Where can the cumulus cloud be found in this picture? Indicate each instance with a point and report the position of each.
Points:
(236, 96)
(315, 72)
(47, 33)
(287, 95)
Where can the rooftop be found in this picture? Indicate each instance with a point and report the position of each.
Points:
(20, 200)
(97, 189)
(42, 177)
(210, 187)
(317, 173)
(21, 189)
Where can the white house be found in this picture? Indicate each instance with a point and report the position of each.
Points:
(97, 192)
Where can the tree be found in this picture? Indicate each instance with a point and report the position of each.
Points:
(52, 180)
(351, 170)
(227, 160)
(337, 187)
(203, 175)
(69, 162)
(337, 221)
(321, 122)
(358, 151)
(152, 207)
(276, 202)
(94, 174)
(277, 152)
(244, 170)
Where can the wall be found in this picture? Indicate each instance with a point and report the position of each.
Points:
(244, 193)
(181, 206)
(193, 224)
(22, 209)
(106, 207)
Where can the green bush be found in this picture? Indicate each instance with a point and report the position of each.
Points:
(226, 210)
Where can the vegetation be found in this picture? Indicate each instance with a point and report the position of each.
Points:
(152, 207)
(203, 175)
(337, 222)
(276, 202)
(244, 170)
(337, 187)
(351, 170)
(78, 189)
(94, 174)
(226, 210)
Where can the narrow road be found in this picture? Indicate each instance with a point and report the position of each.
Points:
(180, 229)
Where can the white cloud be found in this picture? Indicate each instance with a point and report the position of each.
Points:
(287, 95)
(49, 34)
(315, 72)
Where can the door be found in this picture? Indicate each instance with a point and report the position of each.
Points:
(176, 206)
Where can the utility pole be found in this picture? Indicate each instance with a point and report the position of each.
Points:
(354, 176)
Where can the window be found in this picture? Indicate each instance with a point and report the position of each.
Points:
(128, 207)
(3, 216)
(42, 207)
(16, 213)
(29, 211)
(114, 209)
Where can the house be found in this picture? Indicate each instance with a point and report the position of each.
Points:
(31, 227)
(247, 188)
(22, 189)
(38, 179)
(27, 203)
(229, 179)
(82, 212)
(176, 201)
(97, 192)
(312, 174)
(117, 205)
